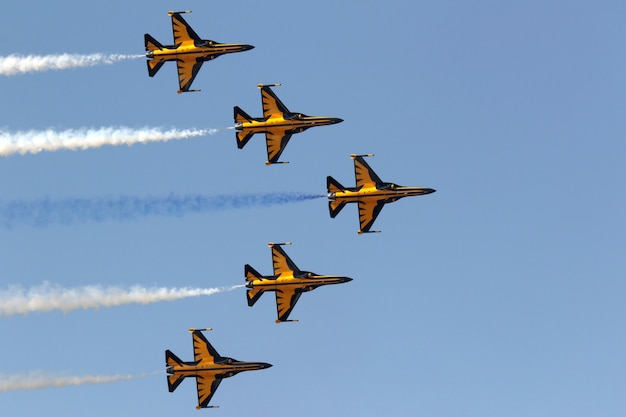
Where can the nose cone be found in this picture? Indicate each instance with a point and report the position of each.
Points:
(264, 365)
(335, 120)
(345, 279)
(247, 47)
(429, 191)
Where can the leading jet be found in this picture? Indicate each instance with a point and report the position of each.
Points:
(371, 193)
(288, 282)
(189, 51)
(278, 124)
(208, 367)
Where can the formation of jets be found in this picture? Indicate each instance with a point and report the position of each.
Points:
(278, 124)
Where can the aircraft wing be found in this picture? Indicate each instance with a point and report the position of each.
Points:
(276, 140)
(286, 299)
(369, 209)
(183, 33)
(202, 349)
(272, 106)
(206, 385)
(187, 70)
(364, 174)
(282, 262)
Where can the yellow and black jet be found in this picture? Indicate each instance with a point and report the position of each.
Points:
(189, 51)
(278, 124)
(288, 281)
(208, 367)
(371, 193)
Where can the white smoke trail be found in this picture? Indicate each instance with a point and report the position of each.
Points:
(48, 297)
(39, 380)
(35, 141)
(22, 64)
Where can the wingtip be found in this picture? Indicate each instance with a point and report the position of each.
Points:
(191, 330)
(270, 244)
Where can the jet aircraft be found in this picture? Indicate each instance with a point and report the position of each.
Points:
(288, 281)
(371, 193)
(278, 124)
(189, 51)
(208, 367)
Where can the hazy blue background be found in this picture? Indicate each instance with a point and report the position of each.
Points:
(500, 295)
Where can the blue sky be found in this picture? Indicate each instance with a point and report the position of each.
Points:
(500, 294)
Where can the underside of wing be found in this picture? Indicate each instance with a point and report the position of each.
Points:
(276, 140)
(272, 106)
(282, 262)
(369, 209)
(364, 174)
(286, 299)
(187, 70)
(202, 349)
(206, 385)
(183, 33)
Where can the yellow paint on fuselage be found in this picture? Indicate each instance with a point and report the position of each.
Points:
(214, 368)
(367, 192)
(189, 48)
(287, 279)
(285, 124)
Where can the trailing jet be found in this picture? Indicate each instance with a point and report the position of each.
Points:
(278, 124)
(288, 281)
(189, 51)
(371, 193)
(208, 367)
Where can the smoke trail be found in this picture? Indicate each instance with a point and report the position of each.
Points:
(22, 64)
(35, 141)
(45, 212)
(40, 380)
(47, 297)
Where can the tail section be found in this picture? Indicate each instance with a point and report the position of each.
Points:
(151, 44)
(242, 136)
(173, 380)
(255, 292)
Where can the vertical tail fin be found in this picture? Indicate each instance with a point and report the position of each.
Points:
(173, 380)
(254, 293)
(151, 44)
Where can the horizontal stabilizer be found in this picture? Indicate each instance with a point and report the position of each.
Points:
(241, 116)
(334, 207)
(251, 273)
(243, 137)
(173, 380)
(333, 185)
(151, 44)
(254, 293)
(154, 65)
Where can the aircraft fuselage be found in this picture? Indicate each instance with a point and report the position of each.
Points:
(224, 369)
(206, 50)
(380, 191)
(303, 280)
(297, 122)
